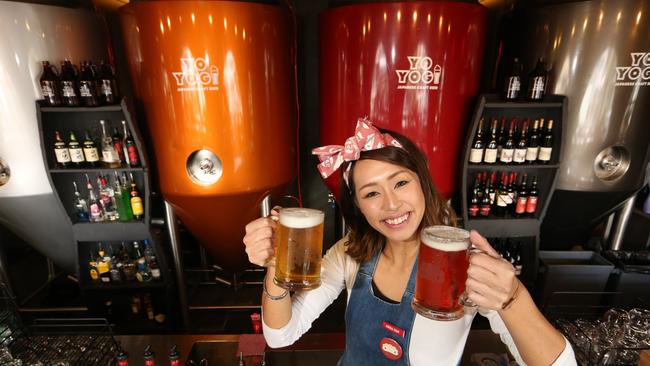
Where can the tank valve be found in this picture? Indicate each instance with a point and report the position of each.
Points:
(204, 167)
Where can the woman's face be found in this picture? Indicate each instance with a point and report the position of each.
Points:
(390, 197)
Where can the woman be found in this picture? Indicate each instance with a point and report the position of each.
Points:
(388, 197)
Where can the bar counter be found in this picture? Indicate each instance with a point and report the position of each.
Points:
(313, 349)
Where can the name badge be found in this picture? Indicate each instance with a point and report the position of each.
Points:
(393, 328)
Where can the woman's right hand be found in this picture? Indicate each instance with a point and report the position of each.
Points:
(259, 238)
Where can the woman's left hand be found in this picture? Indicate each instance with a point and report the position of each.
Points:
(491, 281)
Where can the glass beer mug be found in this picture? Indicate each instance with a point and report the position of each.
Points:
(299, 248)
(442, 272)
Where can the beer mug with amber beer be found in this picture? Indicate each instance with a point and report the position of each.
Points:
(299, 248)
(442, 272)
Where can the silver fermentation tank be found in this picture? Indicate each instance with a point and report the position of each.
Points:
(599, 54)
(30, 33)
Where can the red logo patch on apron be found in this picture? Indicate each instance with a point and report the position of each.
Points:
(390, 348)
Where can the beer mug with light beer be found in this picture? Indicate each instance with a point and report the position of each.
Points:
(442, 272)
(299, 248)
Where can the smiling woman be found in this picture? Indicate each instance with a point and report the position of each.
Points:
(388, 198)
(385, 177)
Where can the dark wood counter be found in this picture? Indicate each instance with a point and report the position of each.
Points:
(319, 349)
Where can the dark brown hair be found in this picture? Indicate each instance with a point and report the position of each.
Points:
(363, 240)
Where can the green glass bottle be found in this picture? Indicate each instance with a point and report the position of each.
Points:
(125, 200)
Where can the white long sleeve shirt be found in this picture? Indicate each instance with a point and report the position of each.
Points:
(338, 272)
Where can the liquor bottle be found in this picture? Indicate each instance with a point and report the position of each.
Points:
(533, 144)
(144, 273)
(149, 253)
(522, 198)
(537, 82)
(474, 204)
(118, 144)
(108, 93)
(80, 205)
(50, 85)
(129, 268)
(126, 199)
(116, 266)
(131, 150)
(476, 153)
(519, 156)
(90, 151)
(531, 203)
(492, 189)
(96, 213)
(508, 149)
(174, 357)
(501, 197)
(546, 148)
(511, 193)
(491, 148)
(110, 158)
(486, 203)
(122, 205)
(148, 305)
(76, 152)
(122, 357)
(149, 357)
(92, 268)
(136, 201)
(61, 151)
(69, 93)
(87, 86)
(512, 85)
(501, 139)
(103, 266)
(107, 195)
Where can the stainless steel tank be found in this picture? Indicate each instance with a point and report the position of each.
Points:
(599, 53)
(30, 33)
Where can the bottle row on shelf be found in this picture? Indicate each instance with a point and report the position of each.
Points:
(110, 263)
(118, 150)
(113, 201)
(510, 249)
(509, 197)
(90, 87)
(530, 144)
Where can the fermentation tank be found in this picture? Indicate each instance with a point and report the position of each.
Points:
(29, 34)
(599, 53)
(412, 67)
(215, 80)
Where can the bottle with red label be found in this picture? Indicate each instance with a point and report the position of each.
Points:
(122, 358)
(130, 149)
(522, 198)
(149, 357)
(174, 356)
(531, 203)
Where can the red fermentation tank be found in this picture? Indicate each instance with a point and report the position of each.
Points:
(412, 67)
(215, 80)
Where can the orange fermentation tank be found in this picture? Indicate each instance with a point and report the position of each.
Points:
(215, 80)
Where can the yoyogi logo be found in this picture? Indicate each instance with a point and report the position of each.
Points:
(197, 74)
(421, 74)
(636, 74)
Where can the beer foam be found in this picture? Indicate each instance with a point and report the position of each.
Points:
(445, 238)
(301, 218)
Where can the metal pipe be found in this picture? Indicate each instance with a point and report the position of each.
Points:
(607, 233)
(49, 309)
(623, 217)
(265, 206)
(172, 228)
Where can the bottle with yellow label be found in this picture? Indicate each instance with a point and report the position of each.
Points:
(92, 268)
(136, 202)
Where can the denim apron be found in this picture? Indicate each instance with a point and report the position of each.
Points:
(377, 332)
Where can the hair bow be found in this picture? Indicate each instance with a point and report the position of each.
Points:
(366, 137)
